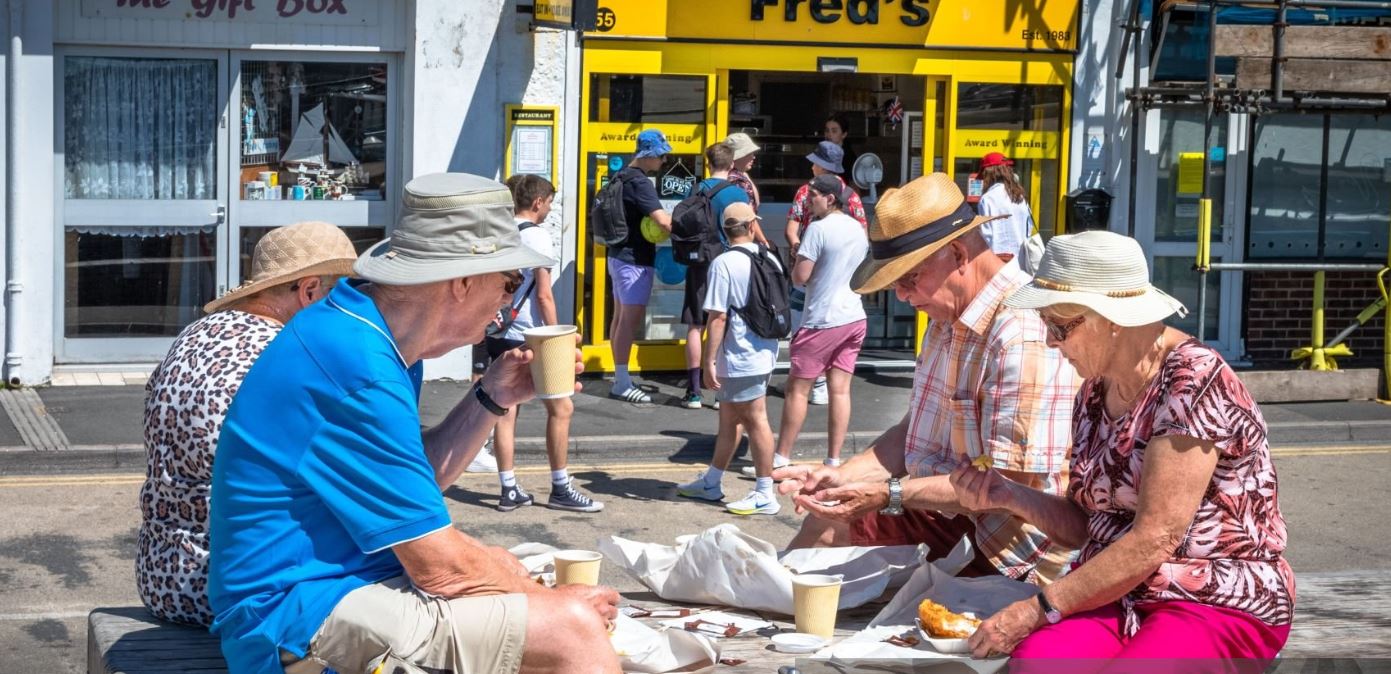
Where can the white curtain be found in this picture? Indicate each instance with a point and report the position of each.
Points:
(140, 128)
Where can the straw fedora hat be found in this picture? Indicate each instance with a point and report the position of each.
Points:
(911, 223)
(292, 252)
(452, 225)
(1103, 271)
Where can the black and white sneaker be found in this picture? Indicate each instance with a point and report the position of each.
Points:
(513, 498)
(569, 498)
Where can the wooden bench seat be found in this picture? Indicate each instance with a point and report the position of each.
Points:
(1338, 615)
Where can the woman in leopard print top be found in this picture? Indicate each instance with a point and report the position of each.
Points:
(187, 398)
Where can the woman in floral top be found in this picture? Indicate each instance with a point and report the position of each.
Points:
(187, 398)
(1172, 498)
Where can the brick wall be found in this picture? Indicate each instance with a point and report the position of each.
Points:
(1279, 315)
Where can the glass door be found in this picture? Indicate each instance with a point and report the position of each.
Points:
(143, 207)
(617, 108)
(1171, 236)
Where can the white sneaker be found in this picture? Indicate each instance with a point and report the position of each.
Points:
(699, 489)
(485, 462)
(833, 463)
(819, 394)
(779, 461)
(756, 503)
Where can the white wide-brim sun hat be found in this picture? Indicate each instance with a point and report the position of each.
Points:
(1103, 271)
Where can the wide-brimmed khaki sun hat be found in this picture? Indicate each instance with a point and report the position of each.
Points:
(911, 223)
(452, 225)
(742, 145)
(1103, 271)
(292, 252)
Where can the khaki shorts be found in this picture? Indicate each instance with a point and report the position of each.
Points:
(392, 624)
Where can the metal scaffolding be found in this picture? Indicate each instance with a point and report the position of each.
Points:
(1216, 96)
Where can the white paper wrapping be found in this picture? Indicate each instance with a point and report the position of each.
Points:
(726, 567)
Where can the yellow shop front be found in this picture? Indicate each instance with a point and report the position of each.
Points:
(923, 85)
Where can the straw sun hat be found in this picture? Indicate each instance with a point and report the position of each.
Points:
(291, 252)
(912, 223)
(1103, 271)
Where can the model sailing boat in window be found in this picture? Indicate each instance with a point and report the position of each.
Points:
(316, 144)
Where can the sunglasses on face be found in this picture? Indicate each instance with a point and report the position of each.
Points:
(1059, 332)
(514, 281)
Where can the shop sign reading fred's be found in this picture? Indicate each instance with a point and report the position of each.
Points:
(1043, 26)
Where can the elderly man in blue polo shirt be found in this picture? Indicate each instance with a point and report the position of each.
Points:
(331, 544)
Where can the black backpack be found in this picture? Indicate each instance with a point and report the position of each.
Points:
(767, 311)
(608, 219)
(695, 226)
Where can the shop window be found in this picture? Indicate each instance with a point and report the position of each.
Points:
(139, 128)
(1180, 180)
(1320, 187)
(1022, 121)
(313, 130)
(647, 99)
(362, 238)
(138, 282)
(1021, 107)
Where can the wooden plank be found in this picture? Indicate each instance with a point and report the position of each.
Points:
(1369, 43)
(1318, 75)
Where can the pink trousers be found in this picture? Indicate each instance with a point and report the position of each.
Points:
(1173, 636)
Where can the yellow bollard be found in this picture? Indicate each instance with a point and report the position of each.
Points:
(1318, 362)
(1204, 261)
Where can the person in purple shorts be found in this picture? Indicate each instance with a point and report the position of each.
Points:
(632, 263)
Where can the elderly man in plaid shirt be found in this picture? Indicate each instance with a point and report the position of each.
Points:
(986, 390)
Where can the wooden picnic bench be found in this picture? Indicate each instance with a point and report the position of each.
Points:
(1338, 615)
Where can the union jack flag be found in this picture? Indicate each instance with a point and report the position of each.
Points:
(893, 111)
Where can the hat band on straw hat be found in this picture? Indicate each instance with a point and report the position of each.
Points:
(1063, 287)
(933, 231)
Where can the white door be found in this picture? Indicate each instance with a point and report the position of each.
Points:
(1176, 147)
(141, 203)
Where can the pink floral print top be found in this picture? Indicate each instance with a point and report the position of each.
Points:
(1233, 554)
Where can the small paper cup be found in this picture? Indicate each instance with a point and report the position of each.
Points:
(577, 567)
(553, 368)
(815, 599)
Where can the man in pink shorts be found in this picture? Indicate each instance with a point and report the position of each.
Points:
(833, 322)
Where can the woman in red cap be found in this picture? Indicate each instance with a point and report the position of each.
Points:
(1004, 196)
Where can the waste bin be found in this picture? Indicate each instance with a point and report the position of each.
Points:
(1088, 209)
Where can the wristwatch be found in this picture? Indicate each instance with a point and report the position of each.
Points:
(895, 506)
(487, 401)
(1053, 615)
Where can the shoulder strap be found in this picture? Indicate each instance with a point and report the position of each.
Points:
(525, 225)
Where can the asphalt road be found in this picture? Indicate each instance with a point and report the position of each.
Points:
(67, 543)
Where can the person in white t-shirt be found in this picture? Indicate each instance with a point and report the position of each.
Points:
(833, 322)
(535, 306)
(1004, 196)
(738, 364)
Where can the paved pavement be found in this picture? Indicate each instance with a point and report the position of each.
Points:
(98, 428)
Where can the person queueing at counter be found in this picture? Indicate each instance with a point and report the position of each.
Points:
(722, 192)
(828, 157)
(1004, 199)
(535, 307)
(632, 263)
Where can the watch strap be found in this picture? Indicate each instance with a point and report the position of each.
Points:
(1050, 613)
(487, 401)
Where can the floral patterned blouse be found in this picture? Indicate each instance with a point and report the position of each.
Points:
(186, 400)
(1232, 556)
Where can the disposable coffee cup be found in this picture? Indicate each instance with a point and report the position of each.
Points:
(553, 368)
(815, 599)
(577, 567)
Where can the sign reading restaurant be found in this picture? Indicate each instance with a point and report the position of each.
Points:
(268, 11)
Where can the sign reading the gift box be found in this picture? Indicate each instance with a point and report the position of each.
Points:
(346, 12)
